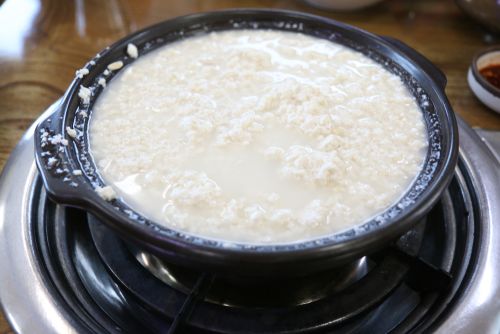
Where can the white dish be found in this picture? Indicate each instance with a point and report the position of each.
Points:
(485, 91)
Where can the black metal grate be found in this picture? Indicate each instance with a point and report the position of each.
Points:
(409, 286)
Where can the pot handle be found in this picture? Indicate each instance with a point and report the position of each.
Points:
(53, 144)
(432, 70)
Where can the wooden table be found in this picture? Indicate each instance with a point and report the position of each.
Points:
(43, 42)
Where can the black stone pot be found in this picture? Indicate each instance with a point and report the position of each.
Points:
(426, 82)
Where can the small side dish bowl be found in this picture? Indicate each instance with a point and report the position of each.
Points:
(485, 91)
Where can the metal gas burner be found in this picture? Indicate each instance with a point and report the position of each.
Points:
(63, 271)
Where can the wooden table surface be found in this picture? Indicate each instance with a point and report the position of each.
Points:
(43, 42)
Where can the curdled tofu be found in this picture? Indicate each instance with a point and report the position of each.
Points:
(257, 136)
(84, 93)
(115, 65)
(102, 82)
(71, 132)
(132, 50)
(81, 73)
(106, 193)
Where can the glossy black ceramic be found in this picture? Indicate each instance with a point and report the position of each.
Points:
(57, 161)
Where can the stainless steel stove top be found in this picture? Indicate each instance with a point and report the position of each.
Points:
(31, 306)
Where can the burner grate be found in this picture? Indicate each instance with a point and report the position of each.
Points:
(408, 286)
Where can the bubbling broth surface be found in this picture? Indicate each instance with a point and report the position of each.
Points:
(257, 136)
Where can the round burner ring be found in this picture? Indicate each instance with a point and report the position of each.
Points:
(21, 251)
(240, 291)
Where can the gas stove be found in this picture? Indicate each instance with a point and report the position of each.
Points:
(64, 271)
